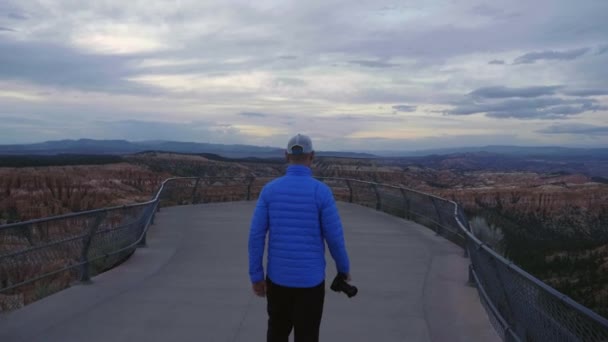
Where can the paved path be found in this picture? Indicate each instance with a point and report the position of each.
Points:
(191, 284)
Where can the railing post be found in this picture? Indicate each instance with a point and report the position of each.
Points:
(249, 185)
(406, 204)
(154, 211)
(85, 274)
(507, 307)
(143, 243)
(439, 218)
(510, 335)
(471, 280)
(378, 199)
(162, 190)
(194, 199)
(147, 217)
(460, 218)
(350, 191)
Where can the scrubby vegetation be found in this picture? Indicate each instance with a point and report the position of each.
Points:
(554, 224)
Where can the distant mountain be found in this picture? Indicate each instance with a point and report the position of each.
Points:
(545, 151)
(82, 146)
(121, 147)
(593, 162)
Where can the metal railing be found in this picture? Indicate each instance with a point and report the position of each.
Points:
(520, 307)
(42, 256)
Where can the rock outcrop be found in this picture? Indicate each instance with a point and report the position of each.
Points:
(29, 193)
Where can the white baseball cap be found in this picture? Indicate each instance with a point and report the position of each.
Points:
(299, 144)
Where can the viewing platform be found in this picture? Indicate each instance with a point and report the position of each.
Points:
(190, 283)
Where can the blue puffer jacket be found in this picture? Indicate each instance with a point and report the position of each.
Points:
(299, 212)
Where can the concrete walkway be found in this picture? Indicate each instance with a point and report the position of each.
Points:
(191, 284)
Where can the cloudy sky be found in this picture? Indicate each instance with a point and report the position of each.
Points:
(354, 75)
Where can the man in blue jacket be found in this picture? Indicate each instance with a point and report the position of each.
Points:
(299, 215)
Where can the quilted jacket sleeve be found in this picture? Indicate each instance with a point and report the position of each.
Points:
(332, 229)
(257, 238)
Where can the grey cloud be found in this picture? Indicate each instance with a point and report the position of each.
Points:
(253, 114)
(486, 10)
(374, 95)
(506, 92)
(288, 57)
(335, 30)
(27, 128)
(405, 108)
(566, 55)
(373, 64)
(219, 46)
(17, 16)
(14, 9)
(590, 73)
(360, 118)
(412, 39)
(288, 81)
(492, 12)
(536, 108)
(342, 117)
(138, 130)
(602, 49)
(15, 120)
(341, 34)
(337, 35)
(56, 65)
(525, 33)
(592, 106)
(556, 112)
(438, 141)
(496, 62)
(524, 115)
(517, 114)
(569, 110)
(6, 29)
(586, 92)
(582, 129)
(18, 134)
(215, 67)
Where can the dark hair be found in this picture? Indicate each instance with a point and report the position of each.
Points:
(298, 158)
(297, 150)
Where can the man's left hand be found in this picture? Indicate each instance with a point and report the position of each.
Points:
(259, 288)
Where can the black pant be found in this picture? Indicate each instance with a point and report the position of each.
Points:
(297, 308)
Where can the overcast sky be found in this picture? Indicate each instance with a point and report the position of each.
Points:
(354, 75)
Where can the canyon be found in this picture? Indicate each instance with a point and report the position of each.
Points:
(553, 223)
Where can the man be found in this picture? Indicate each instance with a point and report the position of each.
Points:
(299, 214)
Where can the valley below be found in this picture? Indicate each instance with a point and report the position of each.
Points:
(551, 222)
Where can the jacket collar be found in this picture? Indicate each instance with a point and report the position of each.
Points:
(299, 170)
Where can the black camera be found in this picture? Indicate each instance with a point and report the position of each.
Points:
(340, 285)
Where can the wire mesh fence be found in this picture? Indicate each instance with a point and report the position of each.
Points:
(430, 211)
(530, 310)
(520, 307)
(184, 191)
(40, 257)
